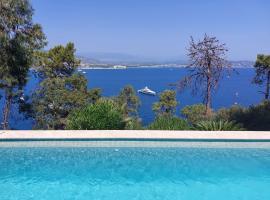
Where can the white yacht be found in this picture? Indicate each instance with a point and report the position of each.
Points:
(119, 67)
(146, 90)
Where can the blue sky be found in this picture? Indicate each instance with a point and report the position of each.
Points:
(158, 29)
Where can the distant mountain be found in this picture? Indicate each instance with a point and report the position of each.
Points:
(126, 59)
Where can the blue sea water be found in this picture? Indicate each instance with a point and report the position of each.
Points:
(134, 173)
(233, 89)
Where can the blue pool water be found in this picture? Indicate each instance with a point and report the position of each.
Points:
(134, 173)
(234, 89)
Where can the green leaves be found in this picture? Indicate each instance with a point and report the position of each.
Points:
(19, 39)
(167, 103)
(59, 61)
(169, 123)
(104, 115)
(61, 90)
(128, 101)
(194, 113)
(217, 125)
(262, 67)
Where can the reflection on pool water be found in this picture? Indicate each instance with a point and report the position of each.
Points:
(135, 173)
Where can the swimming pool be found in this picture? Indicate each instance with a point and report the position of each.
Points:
(118, 173)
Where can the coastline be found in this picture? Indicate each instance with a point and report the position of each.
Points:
(149, 67)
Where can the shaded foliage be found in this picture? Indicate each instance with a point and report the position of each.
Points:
(19, 39)
(254, 118)
(262, 77)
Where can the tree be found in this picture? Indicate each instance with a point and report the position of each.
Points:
(253, 118)
(262, 67)
(167, 103)
(104, 115)
(194, 113)
(207, 65)
(61, 90)
(19, 39)
(128, 101)
(59, 61)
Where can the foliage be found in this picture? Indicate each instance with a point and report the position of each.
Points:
(19, 39)
(253, 118)
(61, 90)
(207, 64)
(167, 103)
(217, 125)
(59, 61)
(168, 123)
(104, 115)
(57, 97)
(128, 101)
(194, 113)
(134, 124)
(262, 67)
(229, 114)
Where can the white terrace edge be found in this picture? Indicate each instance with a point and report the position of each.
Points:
(134, 134)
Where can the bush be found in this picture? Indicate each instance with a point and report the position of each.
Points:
(194, 113)
(133, 124)
(254, 118)
(169, 123)
(217, 125)
(104, 115)
(229, 114)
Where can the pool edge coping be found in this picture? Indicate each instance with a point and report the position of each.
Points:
(126, 135)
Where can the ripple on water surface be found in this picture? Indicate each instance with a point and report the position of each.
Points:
(134, 173)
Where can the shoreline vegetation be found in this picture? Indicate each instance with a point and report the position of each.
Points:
(62, 99)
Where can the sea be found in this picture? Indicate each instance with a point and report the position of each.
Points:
(236, 88)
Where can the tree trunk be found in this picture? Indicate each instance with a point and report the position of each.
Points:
(267, 86)
(7, 111)
(208, 98)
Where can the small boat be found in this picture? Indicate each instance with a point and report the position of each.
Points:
(22, 98)
(119, 67)
(146, 90)
(84, 72)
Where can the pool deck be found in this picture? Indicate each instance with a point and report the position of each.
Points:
(135, 135)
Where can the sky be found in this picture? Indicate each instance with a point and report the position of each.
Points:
(157, 29)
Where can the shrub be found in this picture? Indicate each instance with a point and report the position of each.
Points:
(104, 115)
(133, 124)
(254, 118)
(194, 113)
(217, 125)
(229, 114)
(169, 123)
